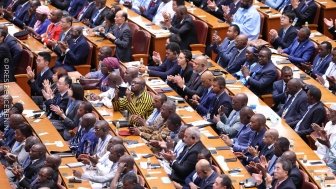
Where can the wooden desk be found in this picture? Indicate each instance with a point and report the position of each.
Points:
(67, 173)
(31, 43)
(328, 10)
(271, 21)
(45, 131)
(4, 182)
(318, 38)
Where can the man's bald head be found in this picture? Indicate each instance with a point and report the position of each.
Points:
(15, 120)
(131, 73)
(114, 79)
(294, 85)
(53, 161)
(239, 101)
(241, 41)
(88, 120)
(290, 156)
(207, 79)
(274, 133)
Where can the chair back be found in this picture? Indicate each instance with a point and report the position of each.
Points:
(142, 42)
(262, 20)
(133, 28)
(202, 31)
(317, 14)
(308, 185)
(26, 60)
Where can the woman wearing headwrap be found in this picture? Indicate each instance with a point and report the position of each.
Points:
(251, 63)
(108, 65)
(42, 22)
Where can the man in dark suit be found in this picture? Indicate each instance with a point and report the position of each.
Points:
(121, 35)
(301, 50)
(221, 100)
(183, 25)
(44, 179)
(202, 103)
(206, 176)
(224, 49)
(87, 11)
(37, 160)
(19, 14)
(29, 18)
(261, 81)
(61, 4)
(169, 65)
(295, 173)
(286, 34)
(215, 7)
(185, 163)
(279, 94)
(75, 7)
(296, 103)
(13, 44)
(281, 177)
(266, 149)
(60, 99)
(304, 11)
(44, 73)
(74, 51)
(280, 146)
(98, 15)
(194, 85)
(238, 56)
(315, 113)
(6, 60)
(321, 61)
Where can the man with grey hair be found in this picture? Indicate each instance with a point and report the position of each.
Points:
(185, 163)
(203, 176)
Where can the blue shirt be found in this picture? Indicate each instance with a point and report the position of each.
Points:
(248, 21)
(274, 3)
(87, 143)
(242, 140)
(43, 27)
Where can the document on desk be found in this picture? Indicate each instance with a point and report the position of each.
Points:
(200, 123)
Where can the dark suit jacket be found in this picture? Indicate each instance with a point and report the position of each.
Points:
(305, 14)
(236, 61)
(193, 86)
(75, 7)
(279, 95)
(78, 53)
(6, 64)
(287, 184)
(100, 18)
(219, 12)
(123, 42)
(285, 41)
(186, 30)
(88, 12)
(199, 182)
(61, 4)
(62, 102)
(166, 68)
(225, 100)
(37, 85)
(31, 172)
(263, 80)
(296, 176)
(49, 183)
(296, 110)
(224, 52)
(186, 75)
(300, 53)
(264, 151)
(14, 47)
(316, 115)
(322, 67)
(186, 162)
(20, 14)
(205, 102)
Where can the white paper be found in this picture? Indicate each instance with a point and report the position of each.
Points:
(165, 180)
(200, 122)
(222, 163)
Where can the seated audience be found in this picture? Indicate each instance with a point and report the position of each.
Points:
(165, 8)
(137, 100)
(42, 21)
(6, 102)
(286, 35)
(8, 137)
(63, 5)
(331, 26)
(6, 60)
(251, 62)
(247, 18)
(125, 166)
(86, 13)
(296, 103)
(222, 182)
(13, 44)
(305, 11)
(230, 125)
(295, 173)
(301, 49)
(328, 79)
(87, 139)
(168, 67)
(279, 93)
(44, 179)
(238, 54)
(54, 29)
(75, 7)
(223, 49)
(98, 14)
(321, 61)
(221, 101)
(260, 82)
